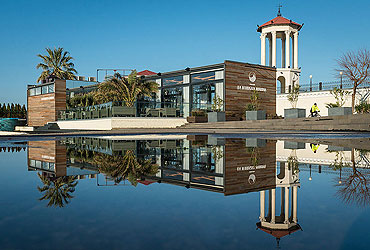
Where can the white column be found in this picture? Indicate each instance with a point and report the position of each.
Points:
(186, 160)
(270, 51)
(273, 33)
(283, 52)
(286, 208)
(295, 204)
(186, 96)
(287, 49)
(273, 200)
(262, 206)
(263, 49)
(295, 50)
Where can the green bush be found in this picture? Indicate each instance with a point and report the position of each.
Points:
(363, 108)
(198, 112)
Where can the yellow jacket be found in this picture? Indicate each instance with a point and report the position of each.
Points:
(314, 108)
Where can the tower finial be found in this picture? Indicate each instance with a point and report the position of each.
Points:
(279, 12)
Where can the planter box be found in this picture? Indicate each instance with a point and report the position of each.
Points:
(215, 141)
(294, 145)
(216, 116)
(197, 119)
(294, 113)
(255, 115)
(339, 111)
(336, 148)
(122, 111)
(255, 143)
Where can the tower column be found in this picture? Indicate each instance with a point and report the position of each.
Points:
(286, 203)
(262, 206)
(295, 204)
(270, 51)
(273, 200)
(283, 52)
(295, 35)
(273, 34)
(287, 49)
(263, 49)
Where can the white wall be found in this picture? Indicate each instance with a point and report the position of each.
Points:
(306, 100)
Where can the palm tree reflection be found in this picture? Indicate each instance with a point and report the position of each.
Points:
(125, 167)
(57, 190)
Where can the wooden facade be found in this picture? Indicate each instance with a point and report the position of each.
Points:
(44, 108)
(49, 151)
(239, 87)
(249, 169)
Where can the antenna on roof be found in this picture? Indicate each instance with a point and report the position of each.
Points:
(279, 12)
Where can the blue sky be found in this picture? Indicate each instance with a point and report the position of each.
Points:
(169, 35)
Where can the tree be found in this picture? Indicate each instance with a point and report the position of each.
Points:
(125, 167)
(57, 62)
(355, 66)
(124, 89)
(57, 190)
(355, 187)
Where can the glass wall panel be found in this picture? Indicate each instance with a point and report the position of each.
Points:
(202, 77)
(173, 98)
(173, 80)
(51, 88)
(203, 95)
(32, 92)
(45, 90)
(38, 91)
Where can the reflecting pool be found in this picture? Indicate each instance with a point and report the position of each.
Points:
(184, 192)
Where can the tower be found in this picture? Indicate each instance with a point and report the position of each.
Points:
(287, 181)
(286, 30)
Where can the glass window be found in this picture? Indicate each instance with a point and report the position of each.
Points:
(38, 91)
(172, 97)
(44, 90)
(38, 164)
(32, 92)
(203, 96)
(202, 77)
(51, 88)
(173, 80)
(32, 163)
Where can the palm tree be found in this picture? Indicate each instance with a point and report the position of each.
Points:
(57, 62)
(125, 167)
(57, 190)
(125, 89)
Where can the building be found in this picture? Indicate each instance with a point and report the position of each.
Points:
(191, 89)
(195, 88)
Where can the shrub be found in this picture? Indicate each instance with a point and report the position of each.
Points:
(293, 96)
(198, 112)
(363, 108)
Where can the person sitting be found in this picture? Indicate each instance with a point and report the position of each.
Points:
(314, 110)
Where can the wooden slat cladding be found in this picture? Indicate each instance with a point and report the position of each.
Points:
(44, 108)
(49, 151)
(236, 99)
(241, 163)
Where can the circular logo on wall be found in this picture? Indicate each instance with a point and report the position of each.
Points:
(252, 179)
(252, 77)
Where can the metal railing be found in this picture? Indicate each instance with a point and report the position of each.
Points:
(326, 86)
(119, 109)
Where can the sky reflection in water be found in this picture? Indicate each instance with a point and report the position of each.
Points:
(184, 192)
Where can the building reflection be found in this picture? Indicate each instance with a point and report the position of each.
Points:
(228, 166)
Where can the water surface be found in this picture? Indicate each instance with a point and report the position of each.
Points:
(184, 192)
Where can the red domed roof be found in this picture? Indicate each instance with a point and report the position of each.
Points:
(146, 73)
(279, 20)
(279, 233)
